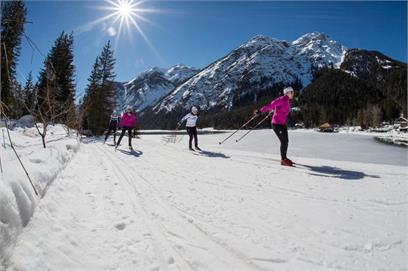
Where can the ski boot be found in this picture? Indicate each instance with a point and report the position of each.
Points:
(286, 162)
(290, 161)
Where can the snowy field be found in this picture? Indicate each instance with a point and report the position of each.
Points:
(231, 207)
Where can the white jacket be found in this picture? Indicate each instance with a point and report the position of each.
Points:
(191, 120)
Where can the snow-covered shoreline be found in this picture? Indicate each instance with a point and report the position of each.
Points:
(399, 140)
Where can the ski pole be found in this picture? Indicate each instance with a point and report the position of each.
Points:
(259, 123)
(1, 166)
(4, 139)
(243, 125)
(175, 133)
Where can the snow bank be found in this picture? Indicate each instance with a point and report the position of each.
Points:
(26, 121)
(400, 140)
(17, 197)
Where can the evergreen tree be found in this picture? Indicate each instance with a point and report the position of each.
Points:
(337, 97)
(107, 63)
(18, 106)
(28, 95)
(99, 100)
(13, 18)
(57, 79)
(92, 99)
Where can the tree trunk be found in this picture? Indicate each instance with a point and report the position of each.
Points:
(44, 134)
(43, 141)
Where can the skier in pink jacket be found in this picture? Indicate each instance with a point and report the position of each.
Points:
(281, 108)
(127, 121)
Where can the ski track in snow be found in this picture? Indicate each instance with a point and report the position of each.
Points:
(167, 214)
(165, 208)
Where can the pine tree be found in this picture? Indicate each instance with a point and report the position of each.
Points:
(45, 95)
(107, 63)
(340, 97)
(13, 18)
(99, 100)
(28, 95)
(57, 79)
(18, 107)
(92, 99)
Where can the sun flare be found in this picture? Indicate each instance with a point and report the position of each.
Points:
(123, 16)
(125, 8)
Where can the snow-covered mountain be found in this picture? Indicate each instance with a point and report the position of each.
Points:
(319, 50)
(370, 65)
(259, 63)
(151, 86)
(388, 75)
(252, 71)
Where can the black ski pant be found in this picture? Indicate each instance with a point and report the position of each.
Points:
(282, 132)
(124, 129)
(192, 132)
(112, 128)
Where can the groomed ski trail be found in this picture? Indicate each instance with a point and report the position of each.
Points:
(163, 208)
(165, 222)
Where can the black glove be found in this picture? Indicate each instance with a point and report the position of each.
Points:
(257, 112)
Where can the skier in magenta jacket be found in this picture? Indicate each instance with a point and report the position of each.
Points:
(281, 108)
(127, 121)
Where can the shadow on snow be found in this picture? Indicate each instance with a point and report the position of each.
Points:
(135, 153)
(213, 154)
(334, 172)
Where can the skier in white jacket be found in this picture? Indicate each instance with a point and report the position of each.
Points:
(191, 123)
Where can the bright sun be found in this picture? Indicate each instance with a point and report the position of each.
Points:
(124, 9)
(124, 15)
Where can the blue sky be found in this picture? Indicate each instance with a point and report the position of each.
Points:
(197, 33)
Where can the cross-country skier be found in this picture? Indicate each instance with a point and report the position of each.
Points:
(127, 121)
(281, 108)
(191, 123)
(113, 126)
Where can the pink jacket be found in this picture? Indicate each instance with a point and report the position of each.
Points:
(127, 120)
(281, 107)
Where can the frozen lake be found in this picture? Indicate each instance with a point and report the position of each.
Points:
(332, 146)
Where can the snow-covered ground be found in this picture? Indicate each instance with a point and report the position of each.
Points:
(231, 207)
(17, 197)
